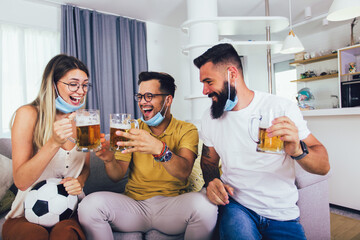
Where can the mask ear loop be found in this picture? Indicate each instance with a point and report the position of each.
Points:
(229, 84)
(71, 139)
(56, 90)
(228, 72)
(164, 106)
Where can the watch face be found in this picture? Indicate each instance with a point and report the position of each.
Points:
(304, 147)
(167, 156)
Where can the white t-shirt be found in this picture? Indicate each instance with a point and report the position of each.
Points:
(262, 182)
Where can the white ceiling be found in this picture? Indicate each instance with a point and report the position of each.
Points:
(174, 12)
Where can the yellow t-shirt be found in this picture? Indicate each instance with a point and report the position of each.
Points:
(148, 178)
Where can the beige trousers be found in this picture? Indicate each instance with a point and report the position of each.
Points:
(189, 213)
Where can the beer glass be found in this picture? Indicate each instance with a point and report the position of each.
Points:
(120, 122)
(260, 123)
(88, 130)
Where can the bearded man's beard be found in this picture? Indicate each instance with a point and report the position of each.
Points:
(217, 107)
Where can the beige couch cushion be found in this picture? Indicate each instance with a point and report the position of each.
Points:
(196, 178)
(6, 179)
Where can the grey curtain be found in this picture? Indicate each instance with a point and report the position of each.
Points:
(114, 49)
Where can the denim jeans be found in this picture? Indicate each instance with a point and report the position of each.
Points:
(239, 222)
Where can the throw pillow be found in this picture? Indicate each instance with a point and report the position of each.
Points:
(196, 178)
(6, 201)
(6, 179)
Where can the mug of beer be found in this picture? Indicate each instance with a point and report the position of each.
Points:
(120, 122)
(87, 130)
(260, 123)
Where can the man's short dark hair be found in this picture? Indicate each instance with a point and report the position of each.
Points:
(167, 82)
(219, 54)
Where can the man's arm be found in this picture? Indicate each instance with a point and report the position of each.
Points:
(115, 169)
(209, 164)
(216, 191)
(180, 166)
(317, 161)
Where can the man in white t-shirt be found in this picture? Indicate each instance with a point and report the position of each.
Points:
(257, 193)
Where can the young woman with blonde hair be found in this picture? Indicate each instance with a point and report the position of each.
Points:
(41, 148)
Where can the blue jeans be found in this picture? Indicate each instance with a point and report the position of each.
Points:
(239, 222)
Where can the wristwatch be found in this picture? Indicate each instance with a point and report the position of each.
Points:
(165, 157)
(304, 149)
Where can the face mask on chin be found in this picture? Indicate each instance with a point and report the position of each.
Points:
(157, 119)
(65, 107)
(223, 102)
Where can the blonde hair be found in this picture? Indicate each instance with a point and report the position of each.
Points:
(57, 67)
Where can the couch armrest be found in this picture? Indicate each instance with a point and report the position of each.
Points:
(5, 147)
(304, 178)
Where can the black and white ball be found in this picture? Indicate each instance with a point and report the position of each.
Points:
(47, 203)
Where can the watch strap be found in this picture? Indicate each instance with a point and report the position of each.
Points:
(165, 154)
(304, 149)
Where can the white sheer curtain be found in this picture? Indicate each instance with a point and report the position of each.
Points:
(24, 53)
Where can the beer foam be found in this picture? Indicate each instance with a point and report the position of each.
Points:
(120, 126)
(264, 125)
(86, 120)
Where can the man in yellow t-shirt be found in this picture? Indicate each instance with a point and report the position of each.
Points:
(160, 156)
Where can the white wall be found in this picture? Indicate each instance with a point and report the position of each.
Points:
(28, 13)
(330, 38)
(164, 55)
(256, 75)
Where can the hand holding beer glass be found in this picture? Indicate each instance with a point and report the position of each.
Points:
(265, 143)
(120, 122)
(87, 130)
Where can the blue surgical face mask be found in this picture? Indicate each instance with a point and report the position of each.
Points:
(157, 119)
(65, 107)
(229, 105)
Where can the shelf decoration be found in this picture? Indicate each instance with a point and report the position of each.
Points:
(352, 67)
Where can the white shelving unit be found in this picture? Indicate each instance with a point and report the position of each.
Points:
(235, 26)
(244, 47)
(322, 87)
(243, 25)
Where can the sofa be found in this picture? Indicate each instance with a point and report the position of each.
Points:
(313, 198)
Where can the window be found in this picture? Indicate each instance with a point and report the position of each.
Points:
(24, 53)
(284, 73)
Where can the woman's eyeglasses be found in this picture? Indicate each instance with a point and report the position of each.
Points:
(74, 86)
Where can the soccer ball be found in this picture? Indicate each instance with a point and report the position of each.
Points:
(48, 202)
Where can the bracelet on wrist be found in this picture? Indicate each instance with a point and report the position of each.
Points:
(165, 156)
(162, 151)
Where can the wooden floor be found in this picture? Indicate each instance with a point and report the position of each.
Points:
(344, 228)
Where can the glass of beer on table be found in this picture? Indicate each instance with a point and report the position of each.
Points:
(258, 125)
(120, 122)
(88, 130)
